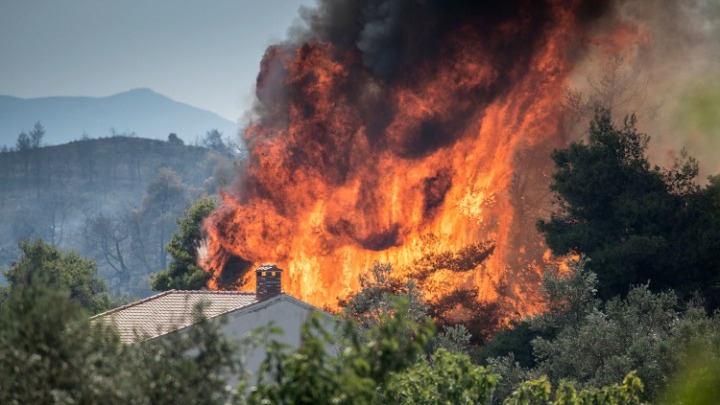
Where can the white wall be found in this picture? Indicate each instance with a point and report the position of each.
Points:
(282, 311)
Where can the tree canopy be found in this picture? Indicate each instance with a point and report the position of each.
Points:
(48, 265)
(637, 222)
(51, 353)
(183, 272)
(595, 343)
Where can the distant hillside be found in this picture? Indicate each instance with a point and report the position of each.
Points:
(141, 111)
(115, 199)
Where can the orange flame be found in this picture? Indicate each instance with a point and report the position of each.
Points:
(324, 197)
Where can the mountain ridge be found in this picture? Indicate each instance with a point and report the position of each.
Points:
(141, 111)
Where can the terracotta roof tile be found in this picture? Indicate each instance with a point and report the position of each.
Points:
(169, 311)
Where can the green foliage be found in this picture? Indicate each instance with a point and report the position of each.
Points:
(50, 353)
(213, 139)
(594, 344)
(310, 375)
(569, 300)
(538, 392)
(613, 206)
(454, 338)
(183, 273)
(624, 335)
(698, 382)
(23, 142)
(515, 341)
(47, 264)
(391, 365)
(445, 378)
(637, 222)
(697, 244)
(36, 135)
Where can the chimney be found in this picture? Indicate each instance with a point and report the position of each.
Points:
(267, 281)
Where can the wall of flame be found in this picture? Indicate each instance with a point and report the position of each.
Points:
(349, 165)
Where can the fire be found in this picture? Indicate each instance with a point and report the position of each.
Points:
(349, 165)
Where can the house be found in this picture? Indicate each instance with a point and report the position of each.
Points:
(240, 312)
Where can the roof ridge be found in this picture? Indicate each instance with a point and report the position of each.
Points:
(134, 303)
(168, 292)
(229, 292)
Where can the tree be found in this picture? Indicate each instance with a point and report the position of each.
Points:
(36, 135)
(43, 263)
(393, 364)
(57, 207)
(109, 238)
(50, 353)
(213, 139)
(462, 305)
(23, 142)
(165, 199)
(623, 213)
(696, 246)
(174, 139)
(621, 336)
(183, 272)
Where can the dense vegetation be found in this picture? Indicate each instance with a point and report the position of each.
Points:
(51, 353)
(639, 223)
(183, 272)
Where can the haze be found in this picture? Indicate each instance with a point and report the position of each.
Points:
(202, 53)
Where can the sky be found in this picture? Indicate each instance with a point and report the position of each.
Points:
(205, 53)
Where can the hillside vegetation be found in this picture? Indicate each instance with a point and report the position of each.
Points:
(114, 199)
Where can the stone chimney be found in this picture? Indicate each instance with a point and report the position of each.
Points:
(267, 281)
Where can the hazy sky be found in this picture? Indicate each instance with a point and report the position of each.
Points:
(202, 52)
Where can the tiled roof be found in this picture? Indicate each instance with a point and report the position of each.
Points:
(169, 311)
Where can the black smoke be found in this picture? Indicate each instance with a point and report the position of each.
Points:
(395, 35)
(390, 44)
